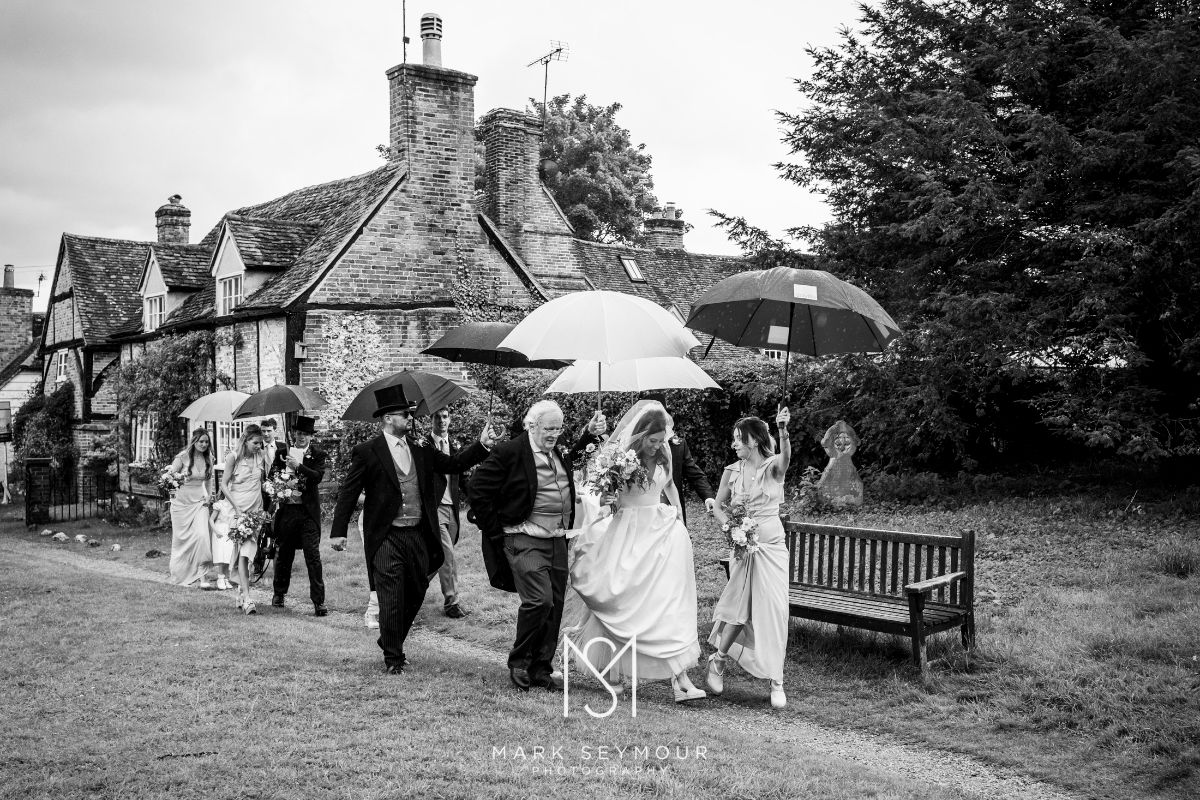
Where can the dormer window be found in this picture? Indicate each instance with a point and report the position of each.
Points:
(676, 313)
(155, 308)
(632, 269)
(229, 294)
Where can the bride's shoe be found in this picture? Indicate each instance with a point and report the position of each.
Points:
(683, 695)
(223, 584)
(778, 698)
(716, 671)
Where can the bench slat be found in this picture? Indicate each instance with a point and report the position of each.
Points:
(877, 534)
(841, 565)
(870, 608)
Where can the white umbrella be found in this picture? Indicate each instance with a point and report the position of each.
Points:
(636, 375)
(600, 326)
(215, 407)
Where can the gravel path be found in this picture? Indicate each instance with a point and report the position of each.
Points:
(942, 769)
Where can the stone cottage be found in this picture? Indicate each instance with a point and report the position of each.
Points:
(394, 243)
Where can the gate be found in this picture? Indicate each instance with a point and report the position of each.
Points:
(64, 494)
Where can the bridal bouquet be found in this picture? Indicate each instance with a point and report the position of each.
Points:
(169, 482)
(284, 485)
(610, 470)
(740, 530)
(246, 526)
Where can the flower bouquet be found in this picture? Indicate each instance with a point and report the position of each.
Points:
(610, 470)
(169, 482)
(740, 530)
(284, 485)
(246, 526)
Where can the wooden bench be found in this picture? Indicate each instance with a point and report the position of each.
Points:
(910, 584)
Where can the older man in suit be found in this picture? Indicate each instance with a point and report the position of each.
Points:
(298, 521)
(524, 496)
(400, 514)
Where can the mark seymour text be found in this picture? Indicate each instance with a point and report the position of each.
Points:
(602, 752)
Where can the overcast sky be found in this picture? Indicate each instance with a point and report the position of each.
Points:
(110, 107)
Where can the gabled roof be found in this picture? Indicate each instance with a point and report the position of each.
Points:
(105, 274)
(183, 266)
(336, 211)
(269, 244)
(25, 358)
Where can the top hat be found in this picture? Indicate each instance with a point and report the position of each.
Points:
(391, 398)
(303, 425)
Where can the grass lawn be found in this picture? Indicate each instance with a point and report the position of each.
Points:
(126, 688)
(1086, 675)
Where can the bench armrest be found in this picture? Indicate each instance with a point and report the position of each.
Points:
(926, 586)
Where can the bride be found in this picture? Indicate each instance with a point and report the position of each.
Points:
(633, 569)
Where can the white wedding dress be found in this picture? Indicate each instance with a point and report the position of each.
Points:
(635, 576)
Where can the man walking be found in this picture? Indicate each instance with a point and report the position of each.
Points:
(448, 519)
(400, 513)
(298, 520)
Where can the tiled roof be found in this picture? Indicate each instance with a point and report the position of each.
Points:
(183, 266)
(673, 277)
(25, 357)
(334, 210)
(269, 244)
(199, 306)
(104, 278)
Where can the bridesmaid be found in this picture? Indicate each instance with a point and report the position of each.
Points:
(242, 483)
(750, 620)
(191, 547)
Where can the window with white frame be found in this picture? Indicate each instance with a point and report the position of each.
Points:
(145, 427)
(632, 269)
(228, 434)
(155, 307)
(60, 365)
(229, 294)
(774, 355)
(676, 313)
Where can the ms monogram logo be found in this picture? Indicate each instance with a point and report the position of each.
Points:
(581, 658)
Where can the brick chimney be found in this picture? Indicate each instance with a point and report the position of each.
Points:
(16, 314)
(174, 221)
(433, 122)
(665, 229)
(512, 142)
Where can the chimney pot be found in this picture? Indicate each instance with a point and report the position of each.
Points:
(431, 39)
(9, 276)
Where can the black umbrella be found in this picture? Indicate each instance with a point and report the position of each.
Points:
(479, 343)
(795, 310)
(431, 392)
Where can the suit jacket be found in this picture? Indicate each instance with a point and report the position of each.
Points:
(312, 468)
(372, 470)
(455, 481)
(502, 492)
(684, 467)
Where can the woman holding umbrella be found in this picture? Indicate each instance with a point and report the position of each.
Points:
(750, 619)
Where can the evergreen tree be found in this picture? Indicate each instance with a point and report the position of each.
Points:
(1018, 183)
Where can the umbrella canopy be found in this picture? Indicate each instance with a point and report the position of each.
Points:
(636, 375)
(215, 407)
(798, 310)
(479, 343)
(280, 399)
(600, 326)
(431, 392)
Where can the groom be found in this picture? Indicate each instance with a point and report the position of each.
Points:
(523, 499)
(400, 515)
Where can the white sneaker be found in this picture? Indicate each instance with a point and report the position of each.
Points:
(205, 583)
(223, 583)
(371, 621)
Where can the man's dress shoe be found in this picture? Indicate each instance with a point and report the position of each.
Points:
(277, 601)
(320, 610)
(520, 678)
(544, 680)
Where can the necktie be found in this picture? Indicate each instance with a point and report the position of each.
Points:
(403, 456)
(444, 446)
